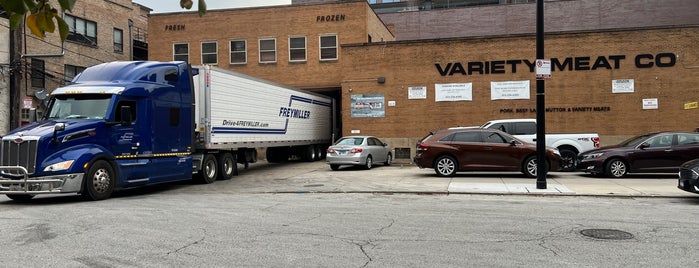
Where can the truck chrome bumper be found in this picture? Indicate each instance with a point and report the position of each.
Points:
(23, 184)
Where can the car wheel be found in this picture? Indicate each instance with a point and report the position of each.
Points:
(227, 166)
(334, 167)
(389, 160)
(616, 168)
(529, 167)
(445, 166)
(208, 171)
(369, 163)
(20, 197)
(99, 181)
(568, 158)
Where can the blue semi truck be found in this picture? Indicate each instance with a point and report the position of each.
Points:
(128, 124)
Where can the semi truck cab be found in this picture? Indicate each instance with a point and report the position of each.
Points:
(117, 125)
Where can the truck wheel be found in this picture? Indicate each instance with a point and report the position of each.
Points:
(616, 168)
(208, 171)
(309, 154)
(568, 158)
(99, 181)
(445, 166)
(319, 152)
(20, 197)
(227, 166)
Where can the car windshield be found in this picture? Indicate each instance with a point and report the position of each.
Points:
(79, 107)
(350, 141)
(635, 140)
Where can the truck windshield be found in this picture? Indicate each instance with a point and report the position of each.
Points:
(90, 106)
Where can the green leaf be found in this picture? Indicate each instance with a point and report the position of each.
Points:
(14, 6)
(62, 28)
(16, 20)
(202, 7)
(45, 21)
(67, 4)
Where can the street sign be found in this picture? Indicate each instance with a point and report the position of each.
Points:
(543, 69)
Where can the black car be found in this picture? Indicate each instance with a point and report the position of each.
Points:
(657, 152)
(689, 176)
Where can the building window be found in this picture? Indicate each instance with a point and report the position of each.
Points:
(328, 47)
(180, 52)
(297, 48)
(81, 30)
(70, 71)
(38, 74)
(239, 54)
(118, 40)
(268, 50)
(209, 53)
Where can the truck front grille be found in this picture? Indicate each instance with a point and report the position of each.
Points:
(19, 154)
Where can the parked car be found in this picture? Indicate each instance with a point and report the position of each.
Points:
(358, 151)
(689, 176)
(479, 149)
(657, 152)
(569, 144)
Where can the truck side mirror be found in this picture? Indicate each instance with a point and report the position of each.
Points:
(125, 112)
(56, 128)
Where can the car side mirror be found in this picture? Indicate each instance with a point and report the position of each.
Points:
(513, 142)
(644, 145)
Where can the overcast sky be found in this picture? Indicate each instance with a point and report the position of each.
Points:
(160, 6)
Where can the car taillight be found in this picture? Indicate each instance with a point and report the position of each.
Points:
(595, 141)
(356, 150)
(330, 150)
(421, 146)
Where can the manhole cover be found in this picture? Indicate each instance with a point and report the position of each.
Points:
(606, 234)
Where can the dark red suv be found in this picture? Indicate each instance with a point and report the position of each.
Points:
(479, 149)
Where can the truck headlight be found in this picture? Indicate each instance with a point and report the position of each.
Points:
(60, 166)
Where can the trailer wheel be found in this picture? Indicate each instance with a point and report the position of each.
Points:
(309, 154)
(319, 152)
(99, 181)
(20, 197)
(227, 166)
(208, 171)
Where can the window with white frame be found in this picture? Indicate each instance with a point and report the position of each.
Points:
(328, 47)
(239, 54)
(209, 53)
(180, 52)
(268, 50)
(297, 48)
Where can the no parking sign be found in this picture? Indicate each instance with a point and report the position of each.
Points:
(543, 69)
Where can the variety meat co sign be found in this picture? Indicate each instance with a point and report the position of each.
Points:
(610, 62)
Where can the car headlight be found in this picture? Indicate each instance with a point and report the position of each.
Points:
(60, 166)
(591, 156)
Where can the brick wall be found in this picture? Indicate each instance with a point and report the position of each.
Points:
(278, 22)
(412, 63)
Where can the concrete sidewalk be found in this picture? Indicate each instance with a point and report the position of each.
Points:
(299, 177)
